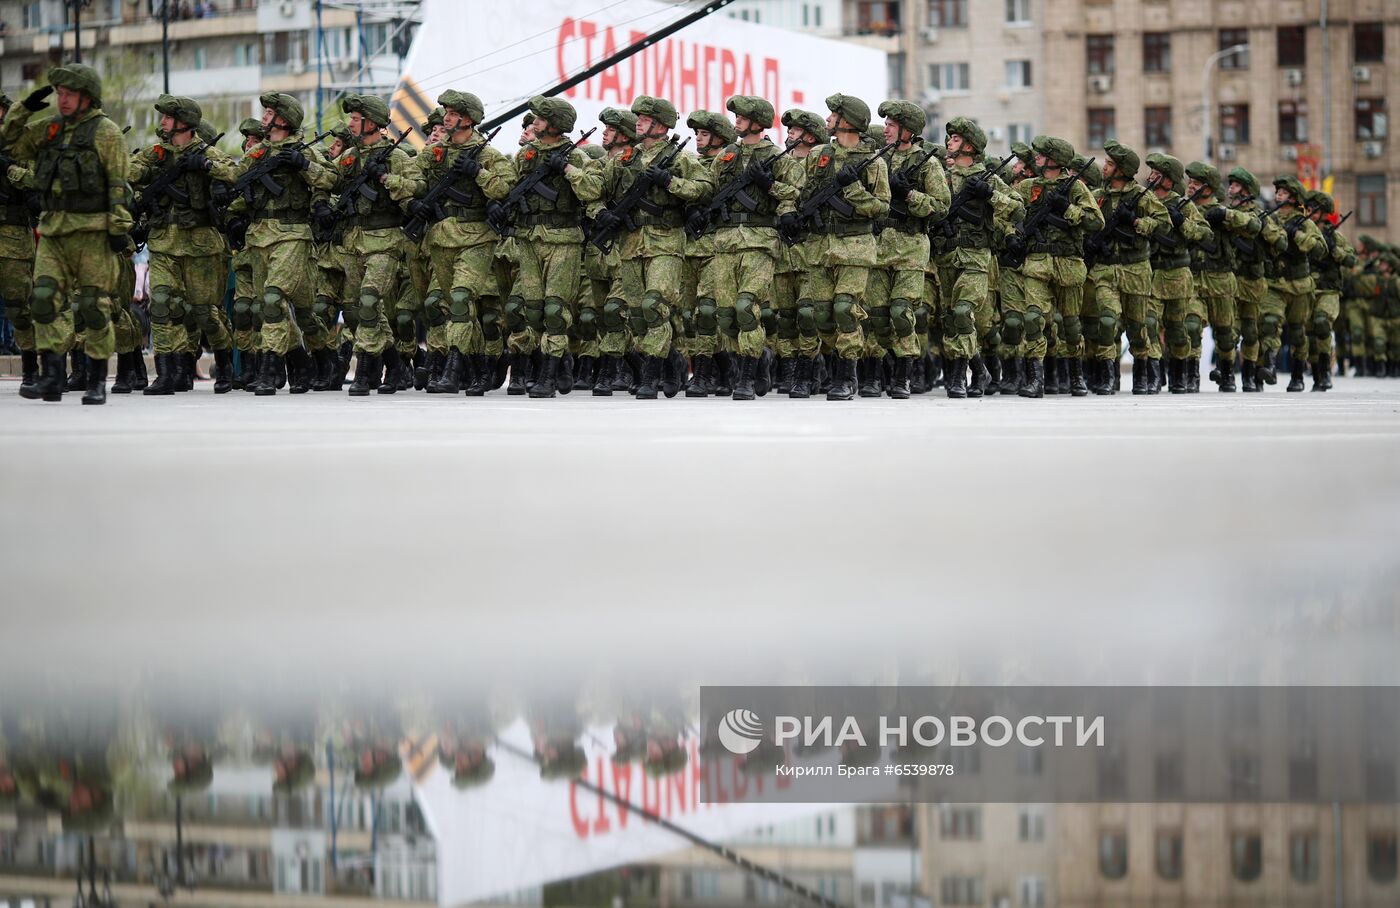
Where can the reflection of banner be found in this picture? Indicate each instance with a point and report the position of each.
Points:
(519, 830)
(1309, 165)
(504, 53)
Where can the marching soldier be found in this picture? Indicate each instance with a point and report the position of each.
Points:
(1292, 287)
(1329, 264)
(1173, 292)
(1213, 267)
(1253, 261)
(17, 263)
(247, 314)
(713, 134)
(798, 343)
(608, 300)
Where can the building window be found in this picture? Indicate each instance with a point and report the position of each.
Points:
(1156, 52)
(1030, 824)
(1018, 74)
(877, 17)
(1098, 50)
(1380, 856)
(1032, 892)
(1018, 12)
(1030, 761)
(947, 13)
(1157, 125)
(1113, 854)
(1292, 122)
(1234, 123)
(963, 823)
(1246, 856)
(948, 77)
(1302, 775)
(201, 58)
(1368, 42)
(1102, 127)
(961, 890)
(1244, 776)
(1292, 45)
(1380, 777)
(1304, 858)
(1229, 37)
(1370, 118)
(1169, 854)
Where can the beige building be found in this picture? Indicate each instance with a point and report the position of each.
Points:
(993, 855)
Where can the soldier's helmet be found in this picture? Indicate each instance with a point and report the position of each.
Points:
(1168, 167)
(906, 113)
(971, 133)
(1295, 189)
(851, 109)
(752, 107)
(1123, 157)
(1204, 173)
(1090, 174)
(1246, 179)
(207, 132)
(184, 110)
(434, 120)
(659, 109)
(1026, 156)
(875, 135)
(1056, 149)
(560, 113)
(594, 151)
(371, 107)
(465, 103)
(253, 128)
(528, 120)
(287, 107)
(78, 77)
(807, 121)
(624, 121)
(718, 126)
(1320, 201)
(5, 101)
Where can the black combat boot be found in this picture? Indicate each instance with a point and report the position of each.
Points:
(980, 378)
(29, 374)
(301, 369)
(821, 374)
(868, 368)
(122, 384)
(1052, 376)
(247, 370)
(368, 369)
(1176, 375)
(138, 371)
(648, 384)
(702, 379)
(1011, 376)
(165, 377)
(544, 386)
(564, 375)
(1247, 380)
(1139, 375)
(519, 370)
(270, 367)
(393, 367)
(843, 380)
(724, 374)
(1225, 371)
(788, 368)
(427, 365)
(919, 376)
(993, 365)
(223, 371)
(477, 377)
(77, 379)
(802, 377)
(585, 373)
(1115, 374)
(899, 382)
(1268, 368)
(96, 381)
(744, 383)
(607, 371)
(1299, 370)
(935, 371)
(763, 380)
(956, 378)
(675, 369)
(323, 375)
(1193, 375)
(184, 372)
(450, 381)
(50, 385)
(1322, 374)
(1154, 375)
(1034, 384)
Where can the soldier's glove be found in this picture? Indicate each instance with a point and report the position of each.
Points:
(469, 165)
(34, 101)
(1059, 202)
(1126, 217)
(1178, 216)
(760, 177)
(847, 175)
(1216, 216)
(697, 222)
(790, 226)
(606, 222)
(198, 160)
(982, 189)
(376, 168)
(322, 215)
(556, 161)
(1292, 227)
(236, 229)
(139, 234)
(118, 242)
(497, 215)
(900, 187)
(1015, 246)
(293, 157)
(658, 176)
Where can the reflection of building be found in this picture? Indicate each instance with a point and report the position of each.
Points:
(998, 855)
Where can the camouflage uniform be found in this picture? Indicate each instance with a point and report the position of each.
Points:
(699, 312)
(17, 263)
(1253, 261)
(607, 299)
(1293, 285)
(1329, 263)
(1213, 266)
(80, 170)
(1173, 292)
(796, 349)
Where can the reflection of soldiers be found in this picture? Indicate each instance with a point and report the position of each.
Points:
(17, 267)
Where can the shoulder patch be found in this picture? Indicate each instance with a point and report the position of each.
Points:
(257, 153)
(1035, 193)
(824, 160)
(53, 130)
(729, 157)
(347, 161)
(529, 154)
(158, 151)
(438, 152)
(627, 154)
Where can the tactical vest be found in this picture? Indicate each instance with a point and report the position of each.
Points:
(13, 210)
(1326, 272)
(293, 206)
(1165, 258)
(1214, 254)
(383, 212)
(193, 184)
(1052, 239)
(565, 210)
(728, 166)
(672, 209)
(973, 228)
(1251, 252)
(1293, 262)
(1121, 250)
(464, 200)
(836, 223)
(899, 217)
(68, 170)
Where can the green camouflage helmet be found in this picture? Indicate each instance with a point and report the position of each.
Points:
(807, 121)
(78, 77)
(1169, 167)
(207, 132)
(971, 133)
(370, 107)
(560, 113)
(1246, 179)
(1205, 174)
(434, 120)
(1123, 157)
(875, 135)
(756, 109)
(253, 128)
(1295, 189)
(1023, 152)
(716, 124)
(465, 103)
(1057, 150)
(659, 109)
(906, 113)
(287, 107)
(940, 151)
(1368, 241)
(1320, 201)
(1090, 174)
(185, 110)
(594, 151)
(5, 101)
(624, 121)
(346, 137)
(851, 109)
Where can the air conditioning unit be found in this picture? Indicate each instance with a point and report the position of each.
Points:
(1101, 84)
(1225, 152)
(930, 34)
(1361, 74)
(288, 9)
(1373, 149)
(932, 98)
(345, 66)
(995, 134)
(1290, 152)
(296, 67)
(1295, 77)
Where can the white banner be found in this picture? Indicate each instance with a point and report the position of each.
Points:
(506, 52)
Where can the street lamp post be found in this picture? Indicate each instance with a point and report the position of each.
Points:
(1207, 153)
(77, 6)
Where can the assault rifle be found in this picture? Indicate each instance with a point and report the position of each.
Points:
(151, 203)
(501, 215)
(365, 185)
(260, 174)
(701, 220)
(957, 208)
(1116, 225)
(427, 211)
(1166, 240)
(828, 195)
(624, 209)
(1031, 227)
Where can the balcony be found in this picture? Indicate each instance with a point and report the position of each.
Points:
(220, 81)
(147, 31)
